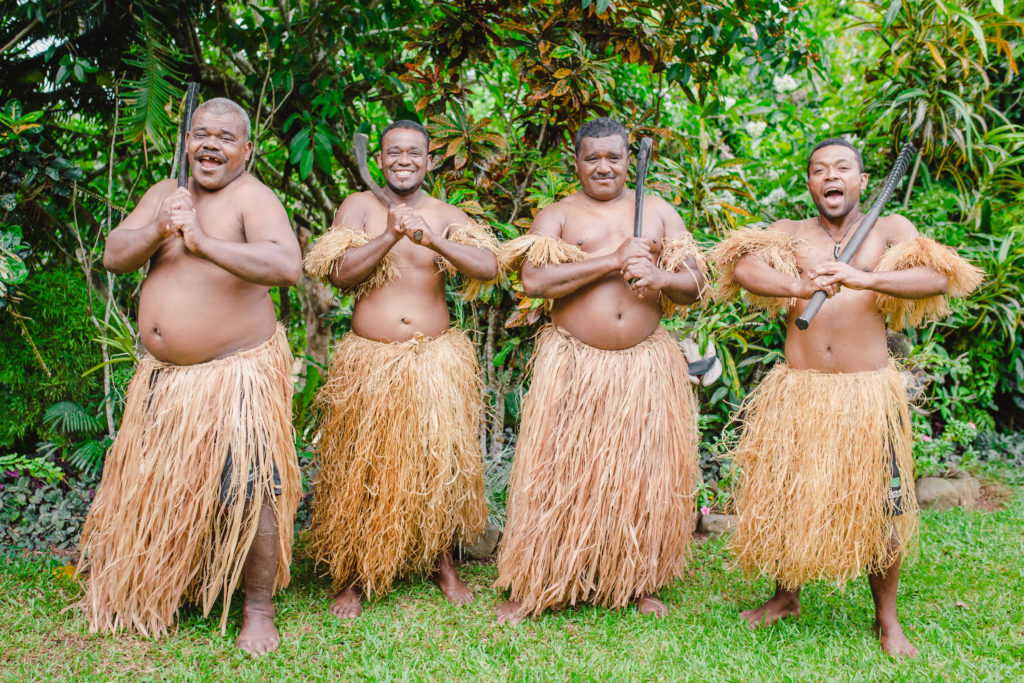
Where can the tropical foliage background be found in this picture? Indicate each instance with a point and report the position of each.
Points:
(735, 94)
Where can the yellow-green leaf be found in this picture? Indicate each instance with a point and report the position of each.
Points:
(936, 56)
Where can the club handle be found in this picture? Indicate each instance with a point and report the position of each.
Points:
(191, 99)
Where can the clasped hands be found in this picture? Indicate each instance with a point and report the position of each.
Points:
(638, 258)
(831, 276)
(404, 222)
(177, 218)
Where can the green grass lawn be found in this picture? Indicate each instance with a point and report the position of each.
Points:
(962, 604)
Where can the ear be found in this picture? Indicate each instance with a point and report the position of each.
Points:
(248, 149)
(431, 162)
(863, 181)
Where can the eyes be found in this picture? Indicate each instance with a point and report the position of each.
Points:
(818, 170)
(226, 138)
(395, 153)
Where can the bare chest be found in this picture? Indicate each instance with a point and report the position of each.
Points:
(815, 247)
(601, 233)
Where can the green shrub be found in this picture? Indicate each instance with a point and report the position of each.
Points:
(40, 516)
(47, 343)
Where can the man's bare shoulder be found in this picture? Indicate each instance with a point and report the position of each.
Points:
(251, 188)
(160, 190)
(551, 218)
(790, 227)
(452, 215)
(895, 228)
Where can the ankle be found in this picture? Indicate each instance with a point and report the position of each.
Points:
(258, 607)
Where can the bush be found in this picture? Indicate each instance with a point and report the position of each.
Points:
(47, 342)
(41, 516)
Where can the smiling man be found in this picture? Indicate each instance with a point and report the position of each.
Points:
(200, 487)
(826, 487)
(400, 464)
(600, 502)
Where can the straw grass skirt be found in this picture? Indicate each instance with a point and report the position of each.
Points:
(817, 497)
(200, 449)
(401, 469)
(601, 497)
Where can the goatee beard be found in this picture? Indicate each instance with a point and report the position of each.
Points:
(403, 192)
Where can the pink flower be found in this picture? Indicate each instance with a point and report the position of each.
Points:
(705, 510)
(971, 425)
(925, 437)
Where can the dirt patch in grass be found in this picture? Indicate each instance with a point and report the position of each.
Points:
(993, 496)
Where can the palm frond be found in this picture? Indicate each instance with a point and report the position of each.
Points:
(68, 417)
(150, 98)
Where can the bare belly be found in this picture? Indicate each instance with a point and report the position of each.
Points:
(847, 335)
(191, 311)
(402, 310)
(606, 315)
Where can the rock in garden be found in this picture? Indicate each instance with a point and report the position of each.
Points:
(939, 493)
(484, 546)
(717, 524)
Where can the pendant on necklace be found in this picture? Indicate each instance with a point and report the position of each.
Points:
(836, 252)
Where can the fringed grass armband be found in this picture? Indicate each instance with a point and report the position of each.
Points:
(471, 235)
(963, 278)
(675, 252)
(332, 246)
(775, 248)
(539, 250)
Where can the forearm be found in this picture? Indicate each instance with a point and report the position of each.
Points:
(555, 281)
(358, 263)
(262, 263)
(129, 249)
(760, 279)
(474, 262)
(919, 282)
(684, 286)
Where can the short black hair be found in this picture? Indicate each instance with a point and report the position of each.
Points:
(408, 125)
(842, 142)
(601, 127)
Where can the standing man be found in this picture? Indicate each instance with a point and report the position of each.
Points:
(601, 497)
(401, 469)
(826, 486)
(200, 487)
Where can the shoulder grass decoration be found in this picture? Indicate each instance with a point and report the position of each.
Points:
(601, 498)
(776, 248)
(963, 278)
(171, 523)
(539, 250)
(472, 235)
(676, 252)
(815, 503)
(332, 246)
(401, 469)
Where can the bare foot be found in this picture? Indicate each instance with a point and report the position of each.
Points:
(894, 642)
(348, 604)
(452, 587)
(258, 635)
(510, 612)
(649, 605)
(780, 606)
